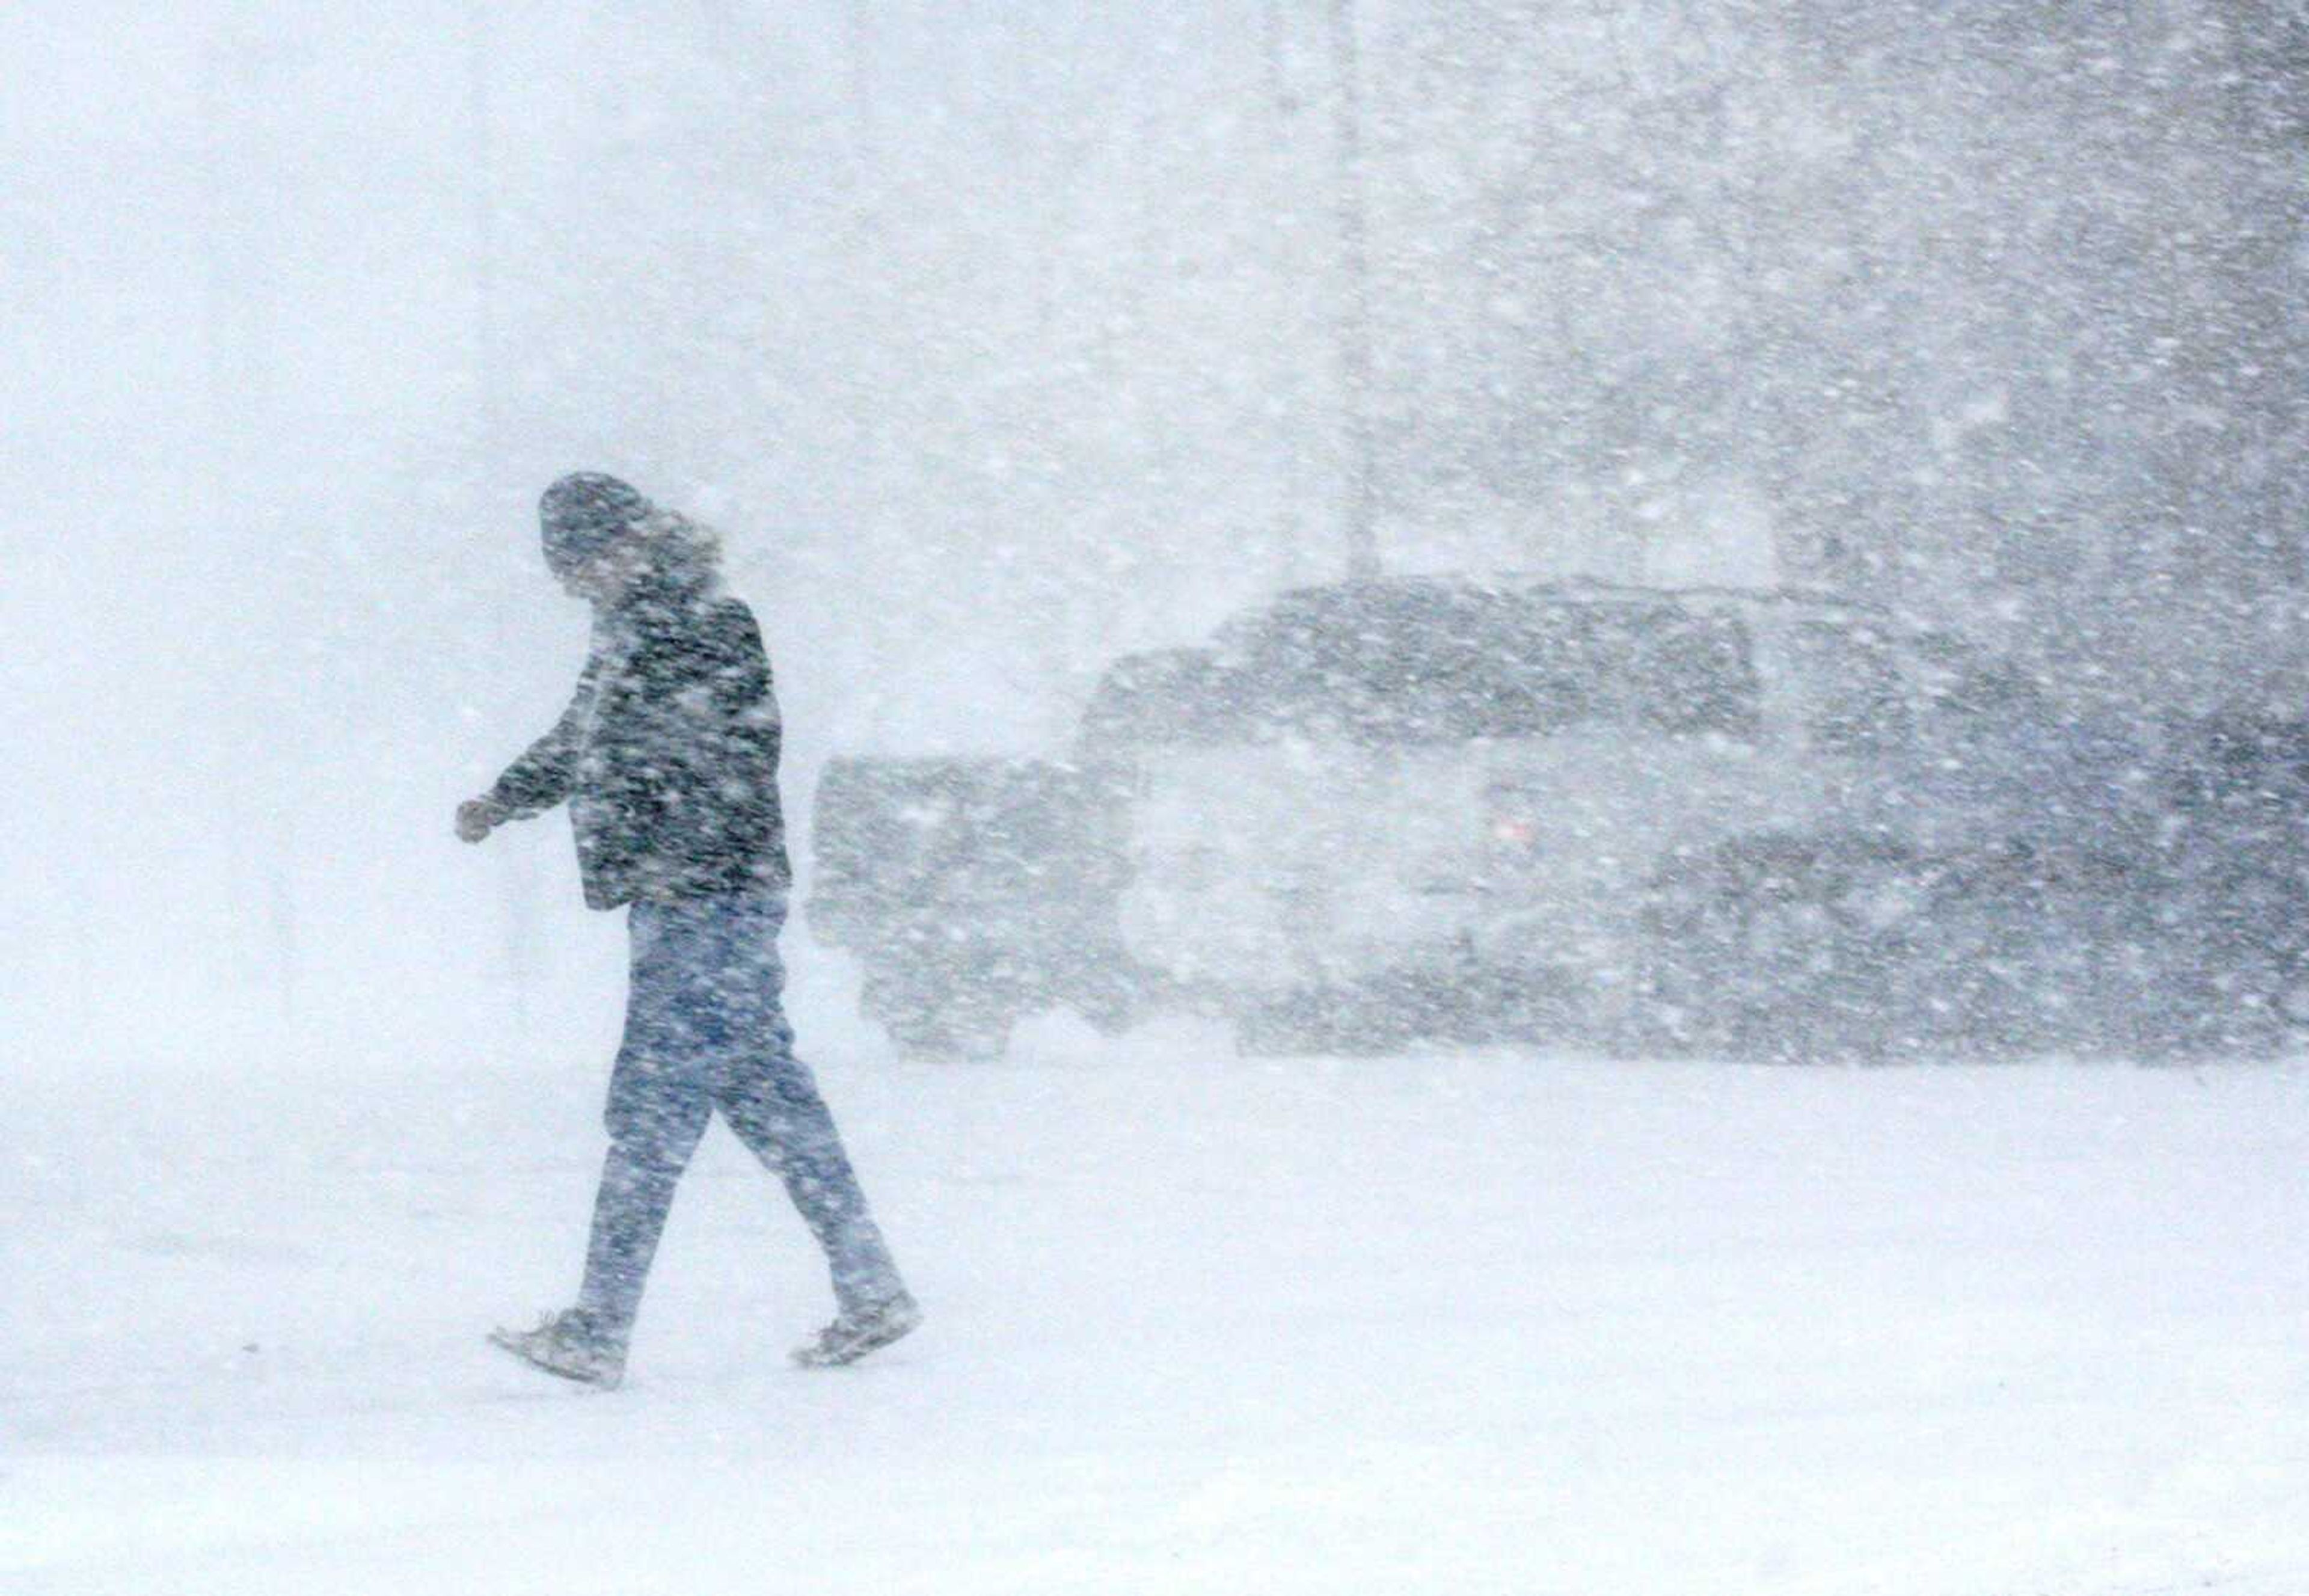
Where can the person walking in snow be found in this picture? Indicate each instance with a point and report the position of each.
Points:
(668, 758)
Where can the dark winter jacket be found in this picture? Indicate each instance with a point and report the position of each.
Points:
(669, 753)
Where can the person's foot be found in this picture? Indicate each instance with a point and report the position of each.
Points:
(856, 1332)
(568, 1345)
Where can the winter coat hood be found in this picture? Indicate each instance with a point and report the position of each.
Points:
(582, 514)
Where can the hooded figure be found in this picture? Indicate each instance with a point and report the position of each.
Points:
(667, 753)
(668, 758)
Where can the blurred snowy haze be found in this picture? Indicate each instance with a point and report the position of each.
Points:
(1000, 338)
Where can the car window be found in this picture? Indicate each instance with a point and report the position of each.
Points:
(1174, 695)
(1440, 665)
(1956, 680)
(1395, 666)
(1417, 665)
(1679, 671)
(1852, 690)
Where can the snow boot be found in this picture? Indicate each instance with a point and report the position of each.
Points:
(856, 1332)
(567, 1344)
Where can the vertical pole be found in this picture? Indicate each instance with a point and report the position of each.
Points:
(482, 131)
(870, 310)
(1286, 178)
(860, 37)
(518, 870)
(1355, 332)
(229, 369)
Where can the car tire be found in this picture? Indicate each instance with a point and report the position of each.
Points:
(1319, 1020)
(933, 1020)
(1769, 965)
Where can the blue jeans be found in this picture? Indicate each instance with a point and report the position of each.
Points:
(705, 1030)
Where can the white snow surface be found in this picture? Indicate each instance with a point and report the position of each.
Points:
(1455, 1322)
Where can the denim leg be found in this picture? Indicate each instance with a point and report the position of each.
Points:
(629, 1213)
(773, 1105)
(658, 1107)
(772, 1102)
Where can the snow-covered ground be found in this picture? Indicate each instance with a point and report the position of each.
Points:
(1462, 1323)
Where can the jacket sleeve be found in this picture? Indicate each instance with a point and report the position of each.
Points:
(547, 772)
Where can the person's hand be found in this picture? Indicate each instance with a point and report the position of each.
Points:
(478, 817)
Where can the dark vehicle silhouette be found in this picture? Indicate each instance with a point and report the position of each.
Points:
(1776, 825)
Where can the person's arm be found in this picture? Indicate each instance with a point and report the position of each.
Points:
(544, 774)
(542, 777)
